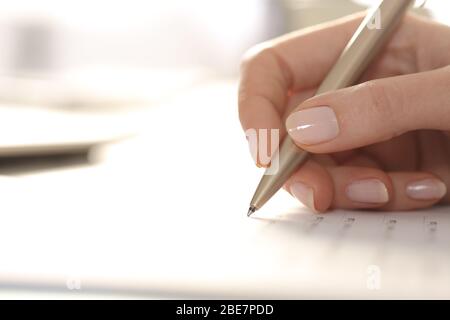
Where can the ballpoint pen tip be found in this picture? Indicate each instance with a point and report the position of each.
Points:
(251, 210)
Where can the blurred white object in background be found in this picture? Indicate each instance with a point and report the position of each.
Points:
(119, 54)
(33, 48)
(35, 132)
(305, 13)
(139, 33)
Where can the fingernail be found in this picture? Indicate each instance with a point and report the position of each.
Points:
(313, 126)
(427, 189)
(367, 191)
(304, 194)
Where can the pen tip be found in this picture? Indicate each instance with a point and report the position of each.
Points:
(251, 211)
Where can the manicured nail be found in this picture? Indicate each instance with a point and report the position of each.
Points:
(368, 191)
(304, 194)
(313, 126)
(427, 189)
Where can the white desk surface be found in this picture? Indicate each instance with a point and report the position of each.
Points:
(164, 216)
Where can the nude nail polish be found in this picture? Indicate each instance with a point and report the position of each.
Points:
(313, 126)
(426, 189)
(304, 194)
(371, 191)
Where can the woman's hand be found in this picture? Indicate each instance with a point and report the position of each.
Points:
(383, 143)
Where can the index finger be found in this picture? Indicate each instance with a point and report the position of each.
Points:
(270, 72)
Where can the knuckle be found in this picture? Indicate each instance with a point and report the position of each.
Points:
(254, 56)
(253, 59)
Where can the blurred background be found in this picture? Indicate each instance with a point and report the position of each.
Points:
(97, 54)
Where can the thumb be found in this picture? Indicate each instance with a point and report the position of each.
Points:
(372, 112)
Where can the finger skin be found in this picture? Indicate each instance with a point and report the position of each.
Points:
(263, 91)
(275, 72)
(293, 62)
(372, 112)
(270, 84)
(435, 155)
(315, 177)
(300, 60)
(405, 190)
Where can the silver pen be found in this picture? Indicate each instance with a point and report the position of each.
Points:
(356, 56)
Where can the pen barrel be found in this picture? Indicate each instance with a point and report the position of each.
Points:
(287, 160)
(362, 48)
(365, 44)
